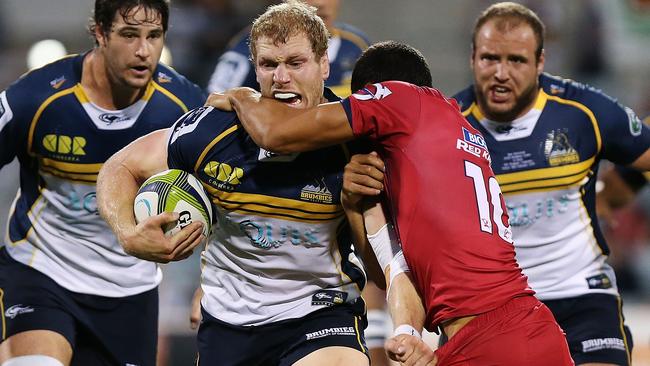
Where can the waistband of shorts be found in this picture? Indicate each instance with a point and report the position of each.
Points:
(489, 317)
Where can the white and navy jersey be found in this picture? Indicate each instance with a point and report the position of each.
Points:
(546, 163)
(235, 68)
(61, 140)
(280, 245)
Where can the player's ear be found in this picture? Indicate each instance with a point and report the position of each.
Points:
(325, 66)
(540, 63)
(100, 36)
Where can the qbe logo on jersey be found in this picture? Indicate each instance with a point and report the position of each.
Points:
(474, 144)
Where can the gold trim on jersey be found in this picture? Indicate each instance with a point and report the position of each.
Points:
(544, 179)
(475, 111)
(2, 314)
(621, 325)
(39, 111)
(351, 36)
(169, 95)
(34, 217)
(268, 206)
(589, 114)
(205, 151)
(78, 172)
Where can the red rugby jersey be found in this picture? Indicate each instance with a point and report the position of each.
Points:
(445, 200)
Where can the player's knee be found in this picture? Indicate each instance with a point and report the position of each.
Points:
(32, 360)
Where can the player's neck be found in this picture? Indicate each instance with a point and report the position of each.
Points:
(99, 87)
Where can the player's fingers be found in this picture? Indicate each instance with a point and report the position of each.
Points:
(162, 219)
(219, 101)
(371, 159)
(366, 170)
(360, 189)
(187, 239)
(195, 310)
(396, 349)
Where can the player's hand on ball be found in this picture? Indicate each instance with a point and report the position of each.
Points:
(410, 350)
(149, 241)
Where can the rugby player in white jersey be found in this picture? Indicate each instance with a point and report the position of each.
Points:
(281, 285)
(70, 294)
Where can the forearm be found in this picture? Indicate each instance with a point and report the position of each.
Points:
(404, 303)
(116, 190)
(362, 246)
(279, 128)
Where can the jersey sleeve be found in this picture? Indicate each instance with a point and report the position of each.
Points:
(194, 133)
(624, 136)
(383, 109)
(15, 118)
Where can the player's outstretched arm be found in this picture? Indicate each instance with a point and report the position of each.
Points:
(279, 128)
(117, 185)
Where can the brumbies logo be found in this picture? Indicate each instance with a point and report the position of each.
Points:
(558, 149)
(318, 192)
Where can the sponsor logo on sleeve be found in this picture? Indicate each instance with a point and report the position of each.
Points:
(56, 83)
(634, 122)
(380, 92)
(163, 78)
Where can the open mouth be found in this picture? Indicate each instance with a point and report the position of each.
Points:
(140, 69)
(287, 97)
(500, 93)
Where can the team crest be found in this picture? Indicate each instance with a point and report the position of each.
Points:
(318, 192)
(558, 149)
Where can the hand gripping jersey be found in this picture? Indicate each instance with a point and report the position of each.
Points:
(546, 163)
(235, 69)
(61, 140)
(280, 247)
(447, 205)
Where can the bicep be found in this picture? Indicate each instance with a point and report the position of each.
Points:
(642, 162)
(145, 156)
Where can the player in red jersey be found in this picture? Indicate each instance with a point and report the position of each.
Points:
(445, 202)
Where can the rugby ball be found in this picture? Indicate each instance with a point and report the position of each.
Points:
(174, 190)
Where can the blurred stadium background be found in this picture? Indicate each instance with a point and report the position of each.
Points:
(603, 42)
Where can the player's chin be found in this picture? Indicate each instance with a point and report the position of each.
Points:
(138, 83)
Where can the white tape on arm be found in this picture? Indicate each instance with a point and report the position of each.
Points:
(406, 329)
(397, 265)
(384, 244)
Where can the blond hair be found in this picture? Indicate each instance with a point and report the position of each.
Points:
(279, 22)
